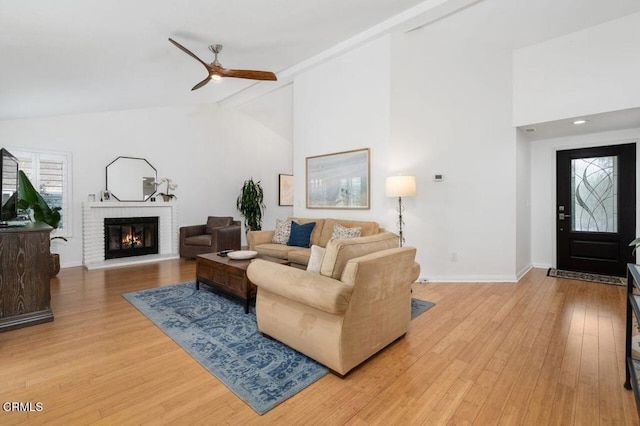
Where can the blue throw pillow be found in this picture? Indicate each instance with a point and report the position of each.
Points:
(301, 234)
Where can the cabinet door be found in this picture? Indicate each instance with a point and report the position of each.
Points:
(24, 258)
(11, 292)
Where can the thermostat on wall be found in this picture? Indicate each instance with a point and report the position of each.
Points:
(438, 178)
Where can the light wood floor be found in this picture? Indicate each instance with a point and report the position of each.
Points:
(544, 351)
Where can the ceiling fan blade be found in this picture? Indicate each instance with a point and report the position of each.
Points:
(249, 74)
(188, 52)
(202, 83)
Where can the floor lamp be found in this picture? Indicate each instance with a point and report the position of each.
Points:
(400, 186)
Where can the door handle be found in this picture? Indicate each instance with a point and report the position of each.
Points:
(562, 216)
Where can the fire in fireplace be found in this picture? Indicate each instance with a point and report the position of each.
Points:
(130, 236)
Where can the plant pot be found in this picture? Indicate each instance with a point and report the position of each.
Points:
(54, 264)
(166, 197)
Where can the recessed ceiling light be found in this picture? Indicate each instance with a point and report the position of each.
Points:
(581, 121)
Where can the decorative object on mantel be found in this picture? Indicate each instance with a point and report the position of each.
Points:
(400, 186)
(167, 196)
(250, 204)
(131, 179)
(29, 198)
(105, 195)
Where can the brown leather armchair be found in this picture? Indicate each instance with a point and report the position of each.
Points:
(219, 233)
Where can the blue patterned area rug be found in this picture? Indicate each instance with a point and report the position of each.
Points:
(213, 328)
(419, 307)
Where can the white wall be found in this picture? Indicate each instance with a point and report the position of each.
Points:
(451, 114)
(424, 103)
(341, 105)
(523, 204)
(591, 71)
(543, 187)
(207, 150)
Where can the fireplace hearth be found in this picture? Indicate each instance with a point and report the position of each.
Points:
(130, 236)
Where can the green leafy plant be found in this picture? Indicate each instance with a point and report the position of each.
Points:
(29, 198)
(250, 204)
(635, 244)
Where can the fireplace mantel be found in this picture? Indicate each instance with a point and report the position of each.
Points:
(94, 213)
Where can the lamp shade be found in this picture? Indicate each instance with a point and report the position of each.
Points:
(400, 186)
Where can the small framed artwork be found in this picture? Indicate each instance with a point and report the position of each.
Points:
(285, 190)
(339, 180)
(105, 195)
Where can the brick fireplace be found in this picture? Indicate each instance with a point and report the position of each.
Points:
(130, 236)
(94, 255)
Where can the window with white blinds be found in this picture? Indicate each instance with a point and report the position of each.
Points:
(50, 175)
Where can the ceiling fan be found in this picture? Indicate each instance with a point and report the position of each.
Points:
(216, 71)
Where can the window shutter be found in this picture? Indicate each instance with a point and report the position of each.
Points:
(49, 175)
(51, 182)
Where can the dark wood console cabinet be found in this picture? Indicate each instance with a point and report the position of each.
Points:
(24, 276)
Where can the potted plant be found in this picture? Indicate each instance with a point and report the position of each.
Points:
(29, 198)
(250, 204)
(635, 244)
(167, 196)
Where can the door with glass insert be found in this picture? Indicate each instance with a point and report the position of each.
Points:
(595, 210)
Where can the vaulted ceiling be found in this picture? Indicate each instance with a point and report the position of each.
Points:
(78, 56)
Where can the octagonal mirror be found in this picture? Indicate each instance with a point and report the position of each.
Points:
(131, 179)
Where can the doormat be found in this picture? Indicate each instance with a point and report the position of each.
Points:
(584, 276)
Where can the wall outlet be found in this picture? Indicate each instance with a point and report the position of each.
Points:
(423, 280)
(454, 256)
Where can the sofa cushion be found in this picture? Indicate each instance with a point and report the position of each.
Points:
(279, 251)
(368, 228)
(339, 251)
(199, 240)
(299, 256)
(340, 231)
(317, 230)
(301, 234)
(217, 222)
(282, 232)
(315, 259)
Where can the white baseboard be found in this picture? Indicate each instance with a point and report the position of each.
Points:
(524, 271)
(472, 279)
(128, 261)
(70, 264)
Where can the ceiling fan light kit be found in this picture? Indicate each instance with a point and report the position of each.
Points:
(216, 71)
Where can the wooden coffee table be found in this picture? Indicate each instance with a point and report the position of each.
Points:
(229, 275)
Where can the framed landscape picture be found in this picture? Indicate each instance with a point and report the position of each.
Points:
(285, 190)
(339, 180)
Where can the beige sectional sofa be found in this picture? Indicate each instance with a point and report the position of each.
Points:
(261, 241)
(359, 302)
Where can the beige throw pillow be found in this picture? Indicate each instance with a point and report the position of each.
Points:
(340, 231)
(282, 232)
(315, 260)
